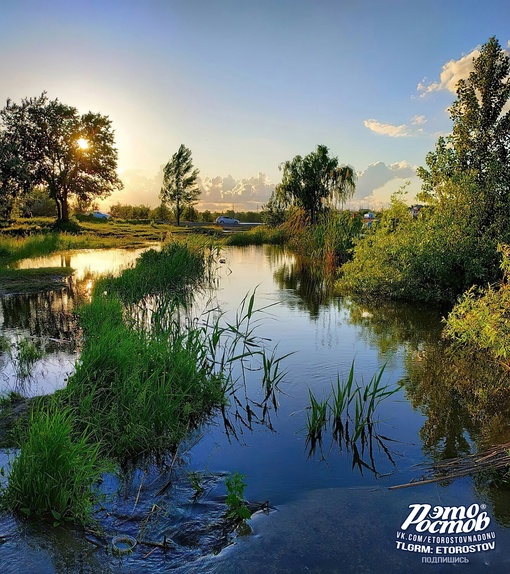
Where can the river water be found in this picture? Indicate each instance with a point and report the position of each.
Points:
(331, 508)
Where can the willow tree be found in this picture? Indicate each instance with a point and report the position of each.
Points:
(45, 144)
(180, 188)
(315, 181)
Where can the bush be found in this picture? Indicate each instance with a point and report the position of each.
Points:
(433, 258)
(481, 318)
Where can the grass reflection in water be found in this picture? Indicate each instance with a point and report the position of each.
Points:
(349, 412)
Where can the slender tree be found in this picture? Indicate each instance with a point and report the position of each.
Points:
(479, 144)
(46, 143)
(179, 182)
(315, 181)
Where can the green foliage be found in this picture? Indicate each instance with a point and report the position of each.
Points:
(479, 142)
(481, 318)
(53, 475)
(313, 182)
(179, 182)
(135, 212)
(146, 375)
(237, 509)
(452, 245)
(330, 240)
(196, 482)
(175, 269)
(350, 413)
(348, 403)
(260, 235)
(432, 258)
(137, 390)
(40, 147)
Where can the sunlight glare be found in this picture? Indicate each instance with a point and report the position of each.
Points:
(83, 143)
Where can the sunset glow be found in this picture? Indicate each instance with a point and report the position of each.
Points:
(83, 143)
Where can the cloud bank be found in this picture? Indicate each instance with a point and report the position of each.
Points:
(379, 181)
(217, 193)
(248, 194)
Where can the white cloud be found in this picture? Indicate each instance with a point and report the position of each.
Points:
(451, 73)
(387, 129)
(247, 194)
(376, 184)
(418, 120)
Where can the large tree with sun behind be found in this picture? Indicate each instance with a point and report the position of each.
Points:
(47, 144)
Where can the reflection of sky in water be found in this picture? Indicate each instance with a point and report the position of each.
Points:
(84, 262)
(46, 319)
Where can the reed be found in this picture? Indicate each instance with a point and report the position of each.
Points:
(350, 412)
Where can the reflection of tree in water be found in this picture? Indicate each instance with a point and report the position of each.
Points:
(390, 326)
(313, 284)
(465, 398)
(48, 315)
(463, 394)
(43, 315)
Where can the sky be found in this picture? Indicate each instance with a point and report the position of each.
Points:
(247, 85)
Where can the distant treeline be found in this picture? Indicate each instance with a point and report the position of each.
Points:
(163, 213)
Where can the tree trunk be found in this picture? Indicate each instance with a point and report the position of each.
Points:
(59, 209)
(178, 213)
(65, 211)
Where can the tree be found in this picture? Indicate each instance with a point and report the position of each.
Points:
(47, 143)
(479, 145)
(179, 182)
(314, 182)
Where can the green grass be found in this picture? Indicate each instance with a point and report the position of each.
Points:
(260, 235)
(139, 391)
(54, 474)
(145, 379)
(349, 409)
(26, 354)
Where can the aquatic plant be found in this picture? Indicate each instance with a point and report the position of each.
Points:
(260, 235)
(350, 413)
(24, 355)
(237, 509)
(53, 475)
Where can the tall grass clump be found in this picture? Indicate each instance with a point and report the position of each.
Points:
(24, 356)
(173, 270)
(149, 374)
(16, 248)
(330, 240)
(350, 412)
(54, 474)
(260, 235)
(139, 391)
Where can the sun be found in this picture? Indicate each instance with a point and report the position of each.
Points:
(82, 143)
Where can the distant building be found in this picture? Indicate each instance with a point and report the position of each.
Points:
(414, 210)
(368, 219)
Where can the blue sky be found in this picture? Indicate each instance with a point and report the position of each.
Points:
(247, 85)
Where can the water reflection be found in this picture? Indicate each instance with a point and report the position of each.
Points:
(313, 285)
(465, 398)
(48, 319)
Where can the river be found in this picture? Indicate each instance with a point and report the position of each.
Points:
(330, 508)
